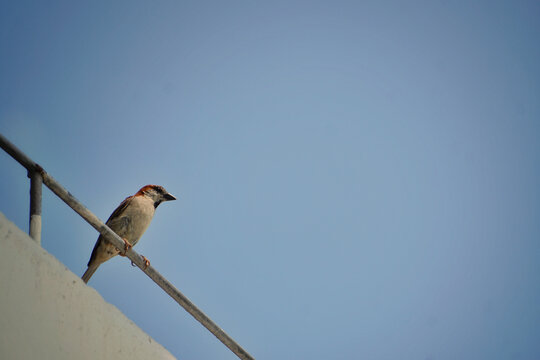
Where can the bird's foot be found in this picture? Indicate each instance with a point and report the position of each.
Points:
(127, 246)
(146, 262)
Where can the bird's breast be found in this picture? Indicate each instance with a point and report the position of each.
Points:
(140, 214)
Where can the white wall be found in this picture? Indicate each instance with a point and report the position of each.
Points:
(47, 312)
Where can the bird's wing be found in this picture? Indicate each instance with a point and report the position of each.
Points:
(116, 222)
(120, 209)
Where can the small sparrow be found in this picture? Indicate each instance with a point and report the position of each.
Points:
(130, 220)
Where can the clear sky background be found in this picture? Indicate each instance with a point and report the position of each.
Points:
(356, 179)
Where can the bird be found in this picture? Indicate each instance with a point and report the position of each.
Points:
(129, 221)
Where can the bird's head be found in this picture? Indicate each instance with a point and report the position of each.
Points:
(157, 193)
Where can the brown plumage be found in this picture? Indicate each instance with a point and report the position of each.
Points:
(130, 220)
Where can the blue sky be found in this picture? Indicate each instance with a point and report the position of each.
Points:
(355, 179)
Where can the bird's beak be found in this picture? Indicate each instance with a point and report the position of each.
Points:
(169, 197)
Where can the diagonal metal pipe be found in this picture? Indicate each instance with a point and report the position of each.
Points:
(34, 170)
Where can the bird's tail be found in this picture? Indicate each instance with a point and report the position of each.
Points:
(89, 272)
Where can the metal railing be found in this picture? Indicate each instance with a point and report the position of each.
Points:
(38, 176)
